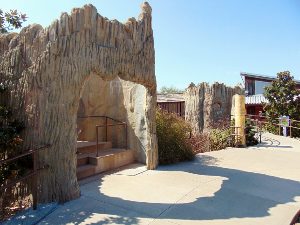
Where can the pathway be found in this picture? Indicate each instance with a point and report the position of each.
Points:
(257, 185)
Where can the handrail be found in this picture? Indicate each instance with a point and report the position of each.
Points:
(28, 152)
(291, 121)
(106, 130)
(35, 171)
(93, 116)
(17, 181)
(262, 120)
(260, 116)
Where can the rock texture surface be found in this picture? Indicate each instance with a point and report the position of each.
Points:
(118, 99)
(46, 69)
(207, 105)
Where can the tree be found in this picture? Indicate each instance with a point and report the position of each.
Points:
(283, 98)
(10, 140)
(170, 90)
(11, 20)
(11, 146)
(10, 133)
(10, 129)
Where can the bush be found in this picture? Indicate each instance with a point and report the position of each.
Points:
(200, 143)
(219, 139)
(172, 137)
(216, 138)
(11, 146)
(250, 133)
(10, 143)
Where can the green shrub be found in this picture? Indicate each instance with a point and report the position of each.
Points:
(220, 135)
(172, 137)
(219, 138)
(250, 133)
(10, 144)
(269, 127)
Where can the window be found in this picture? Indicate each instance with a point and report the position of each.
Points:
(260, 86)
(250, 87)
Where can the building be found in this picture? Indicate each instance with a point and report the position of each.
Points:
(172, 103)
(254, 90)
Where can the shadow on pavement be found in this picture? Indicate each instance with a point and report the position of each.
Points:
(242, 194)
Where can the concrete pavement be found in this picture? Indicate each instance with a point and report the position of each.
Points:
(257, 185)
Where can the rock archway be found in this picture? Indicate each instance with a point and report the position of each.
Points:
(45, 69)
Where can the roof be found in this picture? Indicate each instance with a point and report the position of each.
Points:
(255, 99)
(170, 97)
(262, 77)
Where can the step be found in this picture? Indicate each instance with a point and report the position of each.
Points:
(84, 147)
(85, 171)
(83, 159)
(112, 159)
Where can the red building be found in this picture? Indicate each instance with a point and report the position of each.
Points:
(254, 89)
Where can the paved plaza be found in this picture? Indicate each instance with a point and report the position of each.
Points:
(256, 185)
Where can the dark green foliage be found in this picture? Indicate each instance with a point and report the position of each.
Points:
(11, 146)
(250, 134)
(15, 197)
(10, 20)
(284, 100)
(10, 141)
(172, 136)
(10, 129)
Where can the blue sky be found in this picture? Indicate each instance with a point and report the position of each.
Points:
(202, 40)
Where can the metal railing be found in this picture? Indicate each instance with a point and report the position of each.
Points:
(236, 137)
(261, 120)
(106, 126)
(33, 173)
(257, 124)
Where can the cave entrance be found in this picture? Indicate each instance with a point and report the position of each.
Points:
(111, 128)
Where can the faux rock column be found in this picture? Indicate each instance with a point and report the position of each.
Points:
(207, 105)
(240, 119)
(46, 69)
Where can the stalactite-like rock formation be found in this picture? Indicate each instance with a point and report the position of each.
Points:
(46, 69)
(206, 105)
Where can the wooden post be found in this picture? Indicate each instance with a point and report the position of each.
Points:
(34, 187)
(97, 141)
(126, 143)
(106, 128)
(279, 133)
